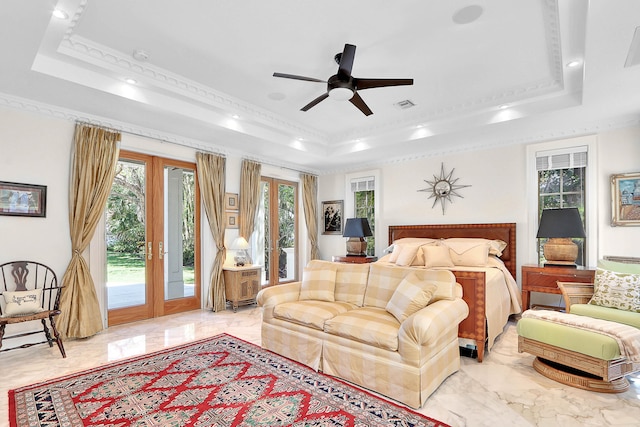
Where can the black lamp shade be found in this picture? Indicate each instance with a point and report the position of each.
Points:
(561, 223)
(357, 227)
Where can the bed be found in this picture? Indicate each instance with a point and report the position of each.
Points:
(491, 291)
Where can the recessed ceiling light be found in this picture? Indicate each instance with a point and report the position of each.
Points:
(573, 64)
(503, 106)
(235, 116)
(60, 14)
(467, 14)
(130, 81)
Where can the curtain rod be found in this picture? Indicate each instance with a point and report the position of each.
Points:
(278, 166)
(208, 150)
(162, 140)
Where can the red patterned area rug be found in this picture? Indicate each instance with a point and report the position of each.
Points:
(219, 381)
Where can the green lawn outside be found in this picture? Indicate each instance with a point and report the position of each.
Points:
(129, 268)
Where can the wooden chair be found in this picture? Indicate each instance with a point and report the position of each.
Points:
(29, 291)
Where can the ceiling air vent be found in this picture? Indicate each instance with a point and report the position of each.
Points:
(403, 105)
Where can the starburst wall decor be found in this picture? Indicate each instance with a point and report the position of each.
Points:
(443, 187)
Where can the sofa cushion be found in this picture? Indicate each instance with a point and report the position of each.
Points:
(370, 325)
(616, 290)
(412, 294)
(630, 318)
(310, 313)
(319, 282)
(351, 282)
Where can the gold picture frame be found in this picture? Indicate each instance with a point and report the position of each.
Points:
(231, 219)
(625, 199)
(231, 202)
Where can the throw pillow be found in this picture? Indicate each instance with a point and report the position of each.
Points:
(616, 290)
(20, 303)
(318, 284)
(411, 295)
(436, 256)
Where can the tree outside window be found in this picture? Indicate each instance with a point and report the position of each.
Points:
(364, 208)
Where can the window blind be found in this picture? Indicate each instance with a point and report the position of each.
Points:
(574, 157)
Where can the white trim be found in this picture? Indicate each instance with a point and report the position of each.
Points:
(591, 190)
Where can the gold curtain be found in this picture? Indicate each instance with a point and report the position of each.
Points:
(211, 176)
(249, 197)
(94, 159)
(310, 203)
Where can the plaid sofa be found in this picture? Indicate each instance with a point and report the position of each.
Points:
(368, 324)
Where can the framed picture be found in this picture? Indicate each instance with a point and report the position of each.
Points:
(332, 212)
(625, 199)
(231, 202)
(23, 199)
(232, 219)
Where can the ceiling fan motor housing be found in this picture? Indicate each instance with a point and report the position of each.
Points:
(340, 87)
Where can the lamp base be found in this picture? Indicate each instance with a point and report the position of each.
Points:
(356, 246)
(560, 251)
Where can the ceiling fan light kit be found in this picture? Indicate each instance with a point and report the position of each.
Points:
(342, 86)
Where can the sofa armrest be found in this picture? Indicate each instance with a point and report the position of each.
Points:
(430, 323)
(269, 297)
(575, 293)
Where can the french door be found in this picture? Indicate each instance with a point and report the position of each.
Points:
(153, 245)
(278, 231)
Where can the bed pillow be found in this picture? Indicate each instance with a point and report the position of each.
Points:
(436, 256)
(495, 246)
(21, 303)
(395, 253)
(616, 290)
(318, 284)
(474, 256)
(411, 295)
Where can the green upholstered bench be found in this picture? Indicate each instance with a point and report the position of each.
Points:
(579, 357)
(572, 356)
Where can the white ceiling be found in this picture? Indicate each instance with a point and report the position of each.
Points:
(210, 60)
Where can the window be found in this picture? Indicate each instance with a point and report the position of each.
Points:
(562, 184)
(363, 190)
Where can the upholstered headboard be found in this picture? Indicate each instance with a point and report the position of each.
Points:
(503, 231)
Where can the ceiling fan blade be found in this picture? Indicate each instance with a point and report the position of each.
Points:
(362, 106)
(315, 102)
(346, 60)
(361, 84)
(293, 76)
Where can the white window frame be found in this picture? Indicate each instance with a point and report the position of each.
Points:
(591, 199)
(349, 203)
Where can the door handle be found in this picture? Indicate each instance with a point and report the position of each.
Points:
(160, 251)
(150, 250)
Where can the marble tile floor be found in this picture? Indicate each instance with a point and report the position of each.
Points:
(504, 390)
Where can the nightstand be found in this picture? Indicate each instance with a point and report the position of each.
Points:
(241, 285)
(536, 278)
(354, 259)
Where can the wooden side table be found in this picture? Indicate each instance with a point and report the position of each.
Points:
(354, 259)
(536, 278)
(241, 285)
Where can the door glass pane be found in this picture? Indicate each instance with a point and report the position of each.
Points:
(266, 236)
(286, 232)
(177, 248)
(125, 234)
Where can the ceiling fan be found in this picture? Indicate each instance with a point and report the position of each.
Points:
(343, 86)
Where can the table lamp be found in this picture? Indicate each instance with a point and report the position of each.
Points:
(559, 226)
(356, 229)
(240, 245)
